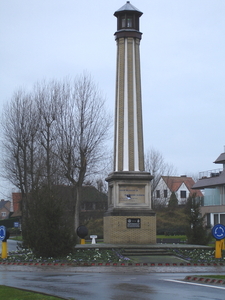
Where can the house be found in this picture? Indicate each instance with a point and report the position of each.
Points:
(4, 209)
(213, 184)
(181, 186)
(91, 200)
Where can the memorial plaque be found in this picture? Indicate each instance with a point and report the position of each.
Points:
(131, 194)
(134, 223)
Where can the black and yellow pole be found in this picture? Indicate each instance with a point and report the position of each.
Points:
(4, 235)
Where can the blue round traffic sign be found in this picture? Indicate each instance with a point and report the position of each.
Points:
(218, 231)
(2, 233)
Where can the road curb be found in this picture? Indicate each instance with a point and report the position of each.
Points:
(120, 264)
(204, 280)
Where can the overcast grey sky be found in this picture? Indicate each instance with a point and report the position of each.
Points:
(182, 64)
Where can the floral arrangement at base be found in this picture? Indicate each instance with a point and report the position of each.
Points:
(79, 255)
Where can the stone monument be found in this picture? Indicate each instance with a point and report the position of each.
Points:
(130, 218)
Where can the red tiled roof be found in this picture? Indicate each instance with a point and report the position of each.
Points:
(174, 182)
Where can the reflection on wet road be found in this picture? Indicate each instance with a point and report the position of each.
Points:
(116, 286)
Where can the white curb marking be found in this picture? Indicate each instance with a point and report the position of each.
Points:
(195, 283)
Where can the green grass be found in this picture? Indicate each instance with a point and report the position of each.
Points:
(9, 293)
(17, 238)
(100, 241)
(214, 276)
(181, 237)
(170, 236)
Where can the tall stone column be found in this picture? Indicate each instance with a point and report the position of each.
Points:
(129, 218)
(128, 148)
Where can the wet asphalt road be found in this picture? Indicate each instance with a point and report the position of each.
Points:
(118, 285)
(99, 283)
(11, 245)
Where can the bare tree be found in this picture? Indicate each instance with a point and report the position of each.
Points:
(156, 165)
(55, 134)
(29, 133)
(98, 181)
(16, 140)
(194, 176)
(48, 101)
(83, 131)
(19, 128)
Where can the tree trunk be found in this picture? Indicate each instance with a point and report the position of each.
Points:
(77, 197)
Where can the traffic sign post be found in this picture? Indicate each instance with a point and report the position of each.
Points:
(4, 250)
(3, 235)
(218, 232)
(16, 224)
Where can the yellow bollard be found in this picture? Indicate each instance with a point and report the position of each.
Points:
(4, 249)
(82, 241)
(223, 245)
(219, 246)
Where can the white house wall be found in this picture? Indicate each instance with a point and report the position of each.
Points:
(161, 186)
(183, 187)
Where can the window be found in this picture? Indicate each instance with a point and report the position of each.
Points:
(157, 193)
(3, 214)
(165, 193)
(208, 223)
(216, 219)
(222, 219)
(129, 22)
(83, 206)
(183, 194)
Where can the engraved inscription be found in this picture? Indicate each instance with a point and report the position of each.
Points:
(132, 194)
(133, 223)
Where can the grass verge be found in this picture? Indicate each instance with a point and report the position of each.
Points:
(17, 238)
(213, 276)
(9, 293)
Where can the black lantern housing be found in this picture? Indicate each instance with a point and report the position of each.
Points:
(128, 21)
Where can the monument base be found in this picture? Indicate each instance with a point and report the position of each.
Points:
(130, 227)
(129, 219)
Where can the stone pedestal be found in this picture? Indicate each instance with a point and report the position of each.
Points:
(129, 219)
